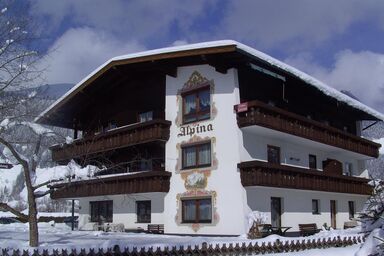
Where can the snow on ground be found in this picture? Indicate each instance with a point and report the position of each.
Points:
(40, 214)
(59, 236)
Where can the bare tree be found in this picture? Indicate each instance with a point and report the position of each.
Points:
(21, 139)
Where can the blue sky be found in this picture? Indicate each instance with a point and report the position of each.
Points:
(339, 42)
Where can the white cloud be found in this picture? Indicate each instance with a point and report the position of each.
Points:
(280, 22)
(361, 73)
(79, 51)
(141, 20)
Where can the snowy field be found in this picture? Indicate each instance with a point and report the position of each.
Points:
(59, 236)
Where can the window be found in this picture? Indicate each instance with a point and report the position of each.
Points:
(273, 154)
(101, 211)
(198, 155)
(351, 209)
(312, 162)
(146, 116)
(143, 211)
(348, 169)
(315, 206)
(197, 210)
(197, 105)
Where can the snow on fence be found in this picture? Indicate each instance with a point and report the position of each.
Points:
(204, 250)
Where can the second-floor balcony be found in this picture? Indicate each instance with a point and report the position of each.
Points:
(141, 182)
(258, 173)
(261, 114)
(121, 137)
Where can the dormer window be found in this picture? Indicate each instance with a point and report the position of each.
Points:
(197, 105)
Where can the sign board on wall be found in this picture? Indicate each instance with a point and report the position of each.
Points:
(242, 107)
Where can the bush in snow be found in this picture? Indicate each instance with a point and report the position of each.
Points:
(255, 219)
(372, 219)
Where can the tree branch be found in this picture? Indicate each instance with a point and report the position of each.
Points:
(8, 208)
(42, 194)
(23, 162)
(47, 183)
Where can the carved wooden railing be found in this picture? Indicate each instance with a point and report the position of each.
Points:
(258, 173)
(259, 113)
(142, 182)
(154, 130)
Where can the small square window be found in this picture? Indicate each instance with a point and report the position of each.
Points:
(146, 116)
(101, 211)
(196, 156)
(197, 210)
(143, 211)
(312, 162)
(315, 206)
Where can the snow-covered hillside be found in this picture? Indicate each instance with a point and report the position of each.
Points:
(13, 191)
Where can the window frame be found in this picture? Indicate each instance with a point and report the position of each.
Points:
(197, 210)
(197, 146)
(268, 155)
(309, 161)
(139, 218)
(99, 205)
(198, 113)
(316, 209)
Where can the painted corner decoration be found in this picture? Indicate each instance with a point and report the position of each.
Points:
(195, 81)
(195, 179)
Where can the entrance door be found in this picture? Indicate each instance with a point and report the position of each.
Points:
(276, 211)
(333, 213)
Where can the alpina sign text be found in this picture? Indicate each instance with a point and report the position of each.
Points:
(195, 129)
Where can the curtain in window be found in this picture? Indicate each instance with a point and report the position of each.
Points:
(205, 209)
(189, 157)
(189, 210)
(204, 100)
(190, 104)
(205, 154)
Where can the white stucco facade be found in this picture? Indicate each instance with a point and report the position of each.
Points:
(221, 181)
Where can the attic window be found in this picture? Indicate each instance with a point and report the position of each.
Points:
(197, 105)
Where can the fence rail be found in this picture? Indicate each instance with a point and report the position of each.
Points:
(203, 250)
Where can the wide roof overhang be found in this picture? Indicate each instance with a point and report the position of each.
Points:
(220, 54)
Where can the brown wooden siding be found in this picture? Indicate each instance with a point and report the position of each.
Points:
(155, 130)
(259, 113)
(144, 182)
(258, 173)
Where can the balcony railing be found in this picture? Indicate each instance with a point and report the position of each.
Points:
(142, 182)
(258, 173)
(259, 113)
(154, 130)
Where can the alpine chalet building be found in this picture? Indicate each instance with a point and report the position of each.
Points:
(195, 137)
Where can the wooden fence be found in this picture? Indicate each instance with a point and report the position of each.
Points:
(203, 250)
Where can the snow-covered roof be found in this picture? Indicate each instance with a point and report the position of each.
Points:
(327, 90)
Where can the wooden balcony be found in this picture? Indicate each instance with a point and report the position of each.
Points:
(154, 130)
(259, 113)
(142, 182)
(257, 173)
